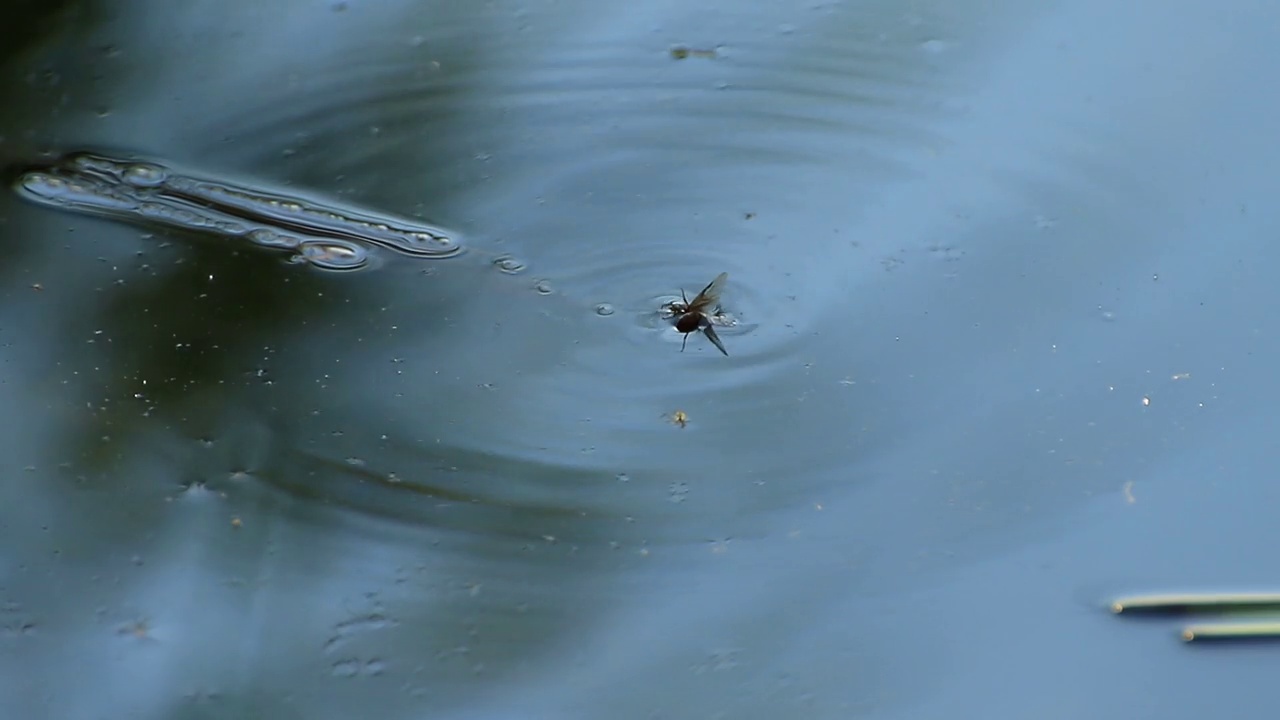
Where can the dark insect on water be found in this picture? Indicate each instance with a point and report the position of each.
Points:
(694, 315)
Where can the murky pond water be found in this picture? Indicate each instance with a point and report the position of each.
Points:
(338, 382)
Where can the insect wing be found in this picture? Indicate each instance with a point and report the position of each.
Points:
(711, 335)
(710, 295)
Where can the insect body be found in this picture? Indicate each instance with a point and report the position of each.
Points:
(694, 315)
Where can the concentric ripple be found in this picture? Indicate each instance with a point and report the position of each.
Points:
(613, 175)
(599, 176)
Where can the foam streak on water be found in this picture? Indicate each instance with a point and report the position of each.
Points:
(326, 236)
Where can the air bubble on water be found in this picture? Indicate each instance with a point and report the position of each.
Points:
(604, 309)
(428, 244)
(542, 287)
(1106, 315)
(90, 162)
(180, 216)
(42, 185)
(145, 175)
(508, 264)
(267, 237)
(151, 210)
(333, 255)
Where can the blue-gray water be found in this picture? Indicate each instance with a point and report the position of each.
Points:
(1004, 277)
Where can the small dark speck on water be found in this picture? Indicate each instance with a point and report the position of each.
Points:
(681, 52)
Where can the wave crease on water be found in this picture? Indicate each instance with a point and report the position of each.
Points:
(324, 235)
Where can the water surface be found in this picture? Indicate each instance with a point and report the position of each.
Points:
(1004, 352)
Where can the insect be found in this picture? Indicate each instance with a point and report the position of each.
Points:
(693, 315)
(679, 418)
